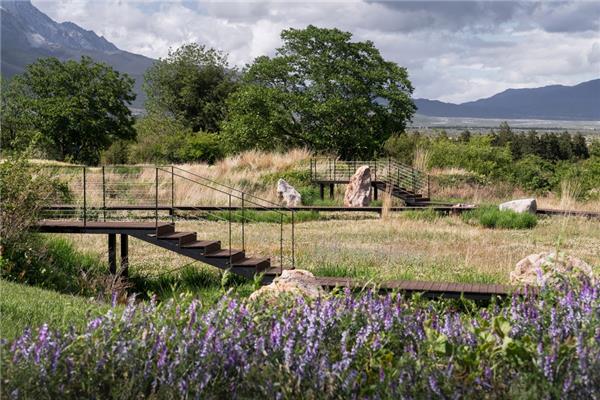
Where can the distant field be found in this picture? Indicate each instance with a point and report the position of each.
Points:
(423, 121)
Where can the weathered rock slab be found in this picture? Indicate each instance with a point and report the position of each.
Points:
(288, 195)
(296, 282)
(547, 268)
(520, 206)
(358, 191)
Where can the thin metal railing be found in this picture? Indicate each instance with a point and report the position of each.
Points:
(124, 184)
(386, 171)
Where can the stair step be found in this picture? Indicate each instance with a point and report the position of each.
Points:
(165, 228)
(209, 246)
(260, 264)
(224, 253)
(182, 237)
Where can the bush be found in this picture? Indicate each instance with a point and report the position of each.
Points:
(543, 346)
(492, 217)
(25, 190)
(166, 140)
(117, 153)
(53, 263)
(533, 173)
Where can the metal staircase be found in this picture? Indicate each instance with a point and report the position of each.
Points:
(388, 175)
(95, 193)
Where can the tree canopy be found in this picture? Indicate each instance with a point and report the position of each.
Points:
(323, 91)
(191, 84)
(77, 108)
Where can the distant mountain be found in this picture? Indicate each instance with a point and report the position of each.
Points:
(557, 102)
(28, 34)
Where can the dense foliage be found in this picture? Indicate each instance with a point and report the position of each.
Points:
(71, 110)
(341, 347)
(165, 140)
(322, 91)
(190, 84)
(532, 161)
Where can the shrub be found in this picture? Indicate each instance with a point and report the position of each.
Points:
(492, 217)
(543, 346)
(195, 147)
(53, 263)
(117, 153)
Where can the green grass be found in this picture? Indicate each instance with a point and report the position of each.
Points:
(24, 306)
(422, 215)
(274, 217)
(492, 217)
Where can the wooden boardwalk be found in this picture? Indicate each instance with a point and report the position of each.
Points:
(210, 252)
(429, 289)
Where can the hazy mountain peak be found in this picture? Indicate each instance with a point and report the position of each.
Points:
(558, 102)
(28, 34)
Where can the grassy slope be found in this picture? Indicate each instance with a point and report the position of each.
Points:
(24, 306)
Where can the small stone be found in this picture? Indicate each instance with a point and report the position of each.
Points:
(358, 191)
(520, 206)
(288, 195)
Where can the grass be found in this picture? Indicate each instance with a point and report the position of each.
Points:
(492, 217)
(399, 247)
(24, 306)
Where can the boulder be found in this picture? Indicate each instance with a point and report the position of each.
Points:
(295, 282)
(358, 192)
(520, 206)
(546, 268)
(288, 196)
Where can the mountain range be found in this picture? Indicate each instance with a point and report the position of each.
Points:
(555, 102)
(27, 34)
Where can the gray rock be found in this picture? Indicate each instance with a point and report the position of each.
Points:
(296, 282)
(520, 206)
(546, 268)
(288, 196)
(358, 191)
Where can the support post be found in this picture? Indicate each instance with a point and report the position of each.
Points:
(103, 194)
(172, 213)
(124, 255)
(84, 199)
(156, 198)
(112, 253)
(322, 191)
(331, 190)
(375, 193)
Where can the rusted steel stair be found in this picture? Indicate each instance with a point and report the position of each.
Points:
(401, 181)
(164, 235)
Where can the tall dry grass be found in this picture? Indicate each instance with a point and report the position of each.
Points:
(421, 159)
(191, 184)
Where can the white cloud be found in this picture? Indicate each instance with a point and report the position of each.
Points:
(454, 51)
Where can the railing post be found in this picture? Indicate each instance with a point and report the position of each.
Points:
(84, 200)
(156, 197)
(243, 217)
(281, 244)
(428, 188)
(172, 195)
(230, 230)
(103, 194)
(293, 242)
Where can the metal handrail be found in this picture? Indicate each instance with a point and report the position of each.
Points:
(137, 187)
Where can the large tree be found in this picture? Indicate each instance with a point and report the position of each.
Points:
(323, 91)
(77, 108)
(191, 84)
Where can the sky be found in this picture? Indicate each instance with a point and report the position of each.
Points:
(454, 51)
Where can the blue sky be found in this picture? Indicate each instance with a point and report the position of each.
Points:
(454, 51)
